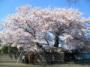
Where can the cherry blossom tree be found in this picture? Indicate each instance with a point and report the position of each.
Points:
(15, 38)
(34, 22)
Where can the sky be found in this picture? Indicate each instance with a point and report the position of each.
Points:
(8, 7)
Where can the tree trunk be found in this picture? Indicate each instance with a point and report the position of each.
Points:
(56, 41)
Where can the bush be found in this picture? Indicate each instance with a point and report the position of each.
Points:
(4, 49)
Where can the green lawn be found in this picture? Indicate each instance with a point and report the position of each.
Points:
(5, 61)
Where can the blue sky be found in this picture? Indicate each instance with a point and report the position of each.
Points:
(9, 6)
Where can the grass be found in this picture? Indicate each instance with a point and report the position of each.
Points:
(5, 61)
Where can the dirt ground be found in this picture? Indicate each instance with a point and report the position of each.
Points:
(5, 61)
(30, 65)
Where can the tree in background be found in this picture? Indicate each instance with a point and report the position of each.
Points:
(72, 2)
